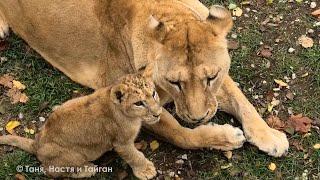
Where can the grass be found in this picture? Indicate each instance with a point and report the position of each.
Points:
(47, 87)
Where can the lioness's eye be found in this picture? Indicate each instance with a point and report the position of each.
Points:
(139, 103)
(210, 79)
(154, 94)
(176, 83)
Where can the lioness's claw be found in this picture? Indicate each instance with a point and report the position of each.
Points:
(269, 140)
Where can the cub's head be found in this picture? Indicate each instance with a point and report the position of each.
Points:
(136, 97)
(192, 60)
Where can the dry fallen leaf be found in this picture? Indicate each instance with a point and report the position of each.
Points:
(11, 125)
(299, 123)
(316, 12)
(305, 41)
(154, 145)
(237, 12)
(297, 144)
(18, 85)
(275, 122)
(290, 95)
(16, 96)
(316, 146)
(6, 80)
(272, 166)
(281, 83)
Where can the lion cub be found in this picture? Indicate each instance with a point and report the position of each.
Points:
(82, 129)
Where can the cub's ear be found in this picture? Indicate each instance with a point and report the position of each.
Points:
(148, 71)
(221, 19)
(118, 93)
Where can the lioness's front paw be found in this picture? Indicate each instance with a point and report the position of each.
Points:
(269, 140)
(146, 172)
(222, 137)
(4, 28)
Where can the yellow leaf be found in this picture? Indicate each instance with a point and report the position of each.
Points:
(269, 1)
(272, 166)
(281, 83)
(11, 125)
(18, 85)
(305, 75)
(316, 146)
(154, 145)
(237, 12)
(270, 107)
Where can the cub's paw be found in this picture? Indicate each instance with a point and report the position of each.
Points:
(222, 137)
(269, 140)
(4, 28)
(146, 172)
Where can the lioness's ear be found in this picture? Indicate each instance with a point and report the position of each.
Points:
(118, 93)
(221, 20)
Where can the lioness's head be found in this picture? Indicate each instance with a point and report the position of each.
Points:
(191, 60)
(135, 96)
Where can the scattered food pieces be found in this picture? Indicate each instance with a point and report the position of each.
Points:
(291, 50)
(11, 125)
(154, 145)
(272, 166)
(29, 131)
(316, 146)
(185, 157)
(226, 166)
(42, 119)
(281, 83)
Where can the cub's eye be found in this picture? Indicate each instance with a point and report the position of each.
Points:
(139, 103)
(177, 84)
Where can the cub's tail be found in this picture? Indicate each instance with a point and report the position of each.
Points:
(17, 141)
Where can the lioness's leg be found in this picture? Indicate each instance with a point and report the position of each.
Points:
(4, 27)
(233, 101)
(141, 166)
(224, 137)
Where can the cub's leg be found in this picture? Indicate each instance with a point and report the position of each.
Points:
(222, 137)
(141, 166)
(60, 162)
(256, 130)
(4, 27)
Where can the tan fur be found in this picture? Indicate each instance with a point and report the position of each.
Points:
(95, 42)
(82, 129)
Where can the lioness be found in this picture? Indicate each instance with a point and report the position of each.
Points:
(94, 42)
(82, 129)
